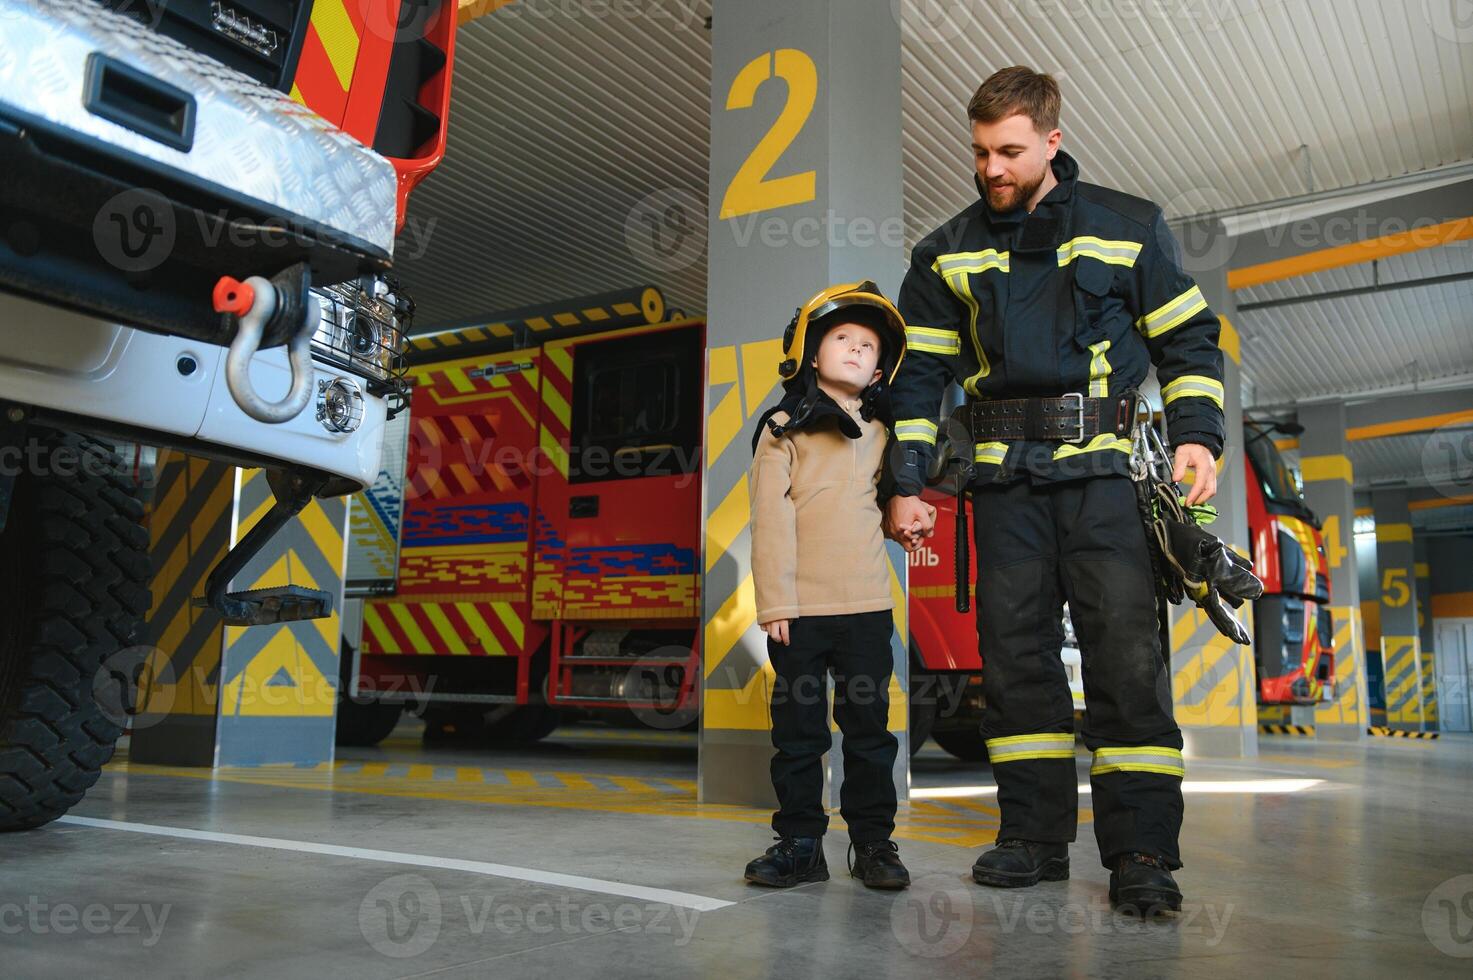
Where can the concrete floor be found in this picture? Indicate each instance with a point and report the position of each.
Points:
(402, 862)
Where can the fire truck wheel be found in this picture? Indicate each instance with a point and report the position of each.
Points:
(964, 743)
(362, 721)
(922, 710)
(523, 724)
(73, 598)
(453, 722)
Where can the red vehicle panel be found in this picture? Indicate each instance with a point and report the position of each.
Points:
(1293, 642)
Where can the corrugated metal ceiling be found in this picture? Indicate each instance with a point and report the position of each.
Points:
(574, 125)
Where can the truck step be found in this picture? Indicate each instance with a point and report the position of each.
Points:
(278, 604)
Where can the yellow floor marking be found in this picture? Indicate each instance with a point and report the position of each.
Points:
(936, 827)
(520, 779)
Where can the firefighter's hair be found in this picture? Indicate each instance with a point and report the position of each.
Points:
(1018, 90)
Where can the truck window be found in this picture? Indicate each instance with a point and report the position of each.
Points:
(636, 406)
(1274, 476)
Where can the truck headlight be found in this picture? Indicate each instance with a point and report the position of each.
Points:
(363, 330)
(339, 405)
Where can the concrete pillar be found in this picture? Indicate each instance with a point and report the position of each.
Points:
(1325, 466)
(1213, 682)
(1422, 573)
(217, 695)
(1401, 655)
(805, 192)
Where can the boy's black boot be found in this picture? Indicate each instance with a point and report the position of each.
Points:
(1016, 863)
(791, 861)
(1142, 883)
(877, 864)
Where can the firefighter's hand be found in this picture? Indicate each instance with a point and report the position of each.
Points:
(1198, 459)
(909, 520)
(777, 630)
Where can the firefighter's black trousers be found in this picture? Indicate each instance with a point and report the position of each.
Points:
(856, 647)
(1080, 541)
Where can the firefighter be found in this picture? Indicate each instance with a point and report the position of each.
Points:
(821, 580)
(1047, 300)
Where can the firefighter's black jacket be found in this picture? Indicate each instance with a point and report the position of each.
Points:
(1082, 294)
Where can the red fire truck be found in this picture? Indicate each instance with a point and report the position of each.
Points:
(540, 548)
(1293, 631)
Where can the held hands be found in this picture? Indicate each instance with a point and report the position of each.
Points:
(1198, 459)
(909, 520)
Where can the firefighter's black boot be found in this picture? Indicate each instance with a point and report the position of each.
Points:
(877, 864)
(1142, 883)
(1015, 863)
(791, 861)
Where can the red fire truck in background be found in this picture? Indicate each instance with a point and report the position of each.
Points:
(1293, 631)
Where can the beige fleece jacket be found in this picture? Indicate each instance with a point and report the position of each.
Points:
(817, 545)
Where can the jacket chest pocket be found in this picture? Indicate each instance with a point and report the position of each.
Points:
(1094, 299)
(1098, 319)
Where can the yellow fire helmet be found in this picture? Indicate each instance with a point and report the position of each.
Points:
(869, 306)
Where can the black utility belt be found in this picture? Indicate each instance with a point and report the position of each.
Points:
(1071, 418)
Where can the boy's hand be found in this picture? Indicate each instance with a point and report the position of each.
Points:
(909, 520)
(777, 630)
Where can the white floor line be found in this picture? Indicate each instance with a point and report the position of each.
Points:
(661, 895)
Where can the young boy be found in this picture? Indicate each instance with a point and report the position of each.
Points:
(822, 582)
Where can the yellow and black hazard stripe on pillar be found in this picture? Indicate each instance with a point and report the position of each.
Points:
(1286, 729)
(278, 683)
(1381, 732)
(1348, 642)
(1402, 669)
(1212, 678)
(189, 532)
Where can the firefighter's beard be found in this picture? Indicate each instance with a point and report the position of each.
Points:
(1006, 197)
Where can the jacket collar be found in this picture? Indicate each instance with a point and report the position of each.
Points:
(819, 405)
(1066, 172)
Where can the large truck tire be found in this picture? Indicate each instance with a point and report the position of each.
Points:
(362, 722)
(74, 593)
(922, 703)
(522, 725)
(964, 743)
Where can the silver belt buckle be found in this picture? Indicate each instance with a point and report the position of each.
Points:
(1078, 408)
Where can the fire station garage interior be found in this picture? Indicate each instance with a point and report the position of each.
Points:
(501, 703)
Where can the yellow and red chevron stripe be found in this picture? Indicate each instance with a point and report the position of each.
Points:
(329, 57)
(557, 404)
(450, 627)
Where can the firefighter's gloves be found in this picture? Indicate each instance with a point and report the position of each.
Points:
(1215, 577)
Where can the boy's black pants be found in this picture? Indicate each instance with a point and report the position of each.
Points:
(856, 647)
(1080, 541)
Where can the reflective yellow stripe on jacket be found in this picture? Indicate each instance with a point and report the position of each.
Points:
(1172, 314)
(933, 340)
(1192, 386)
(915, 430)
(1106, 250)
